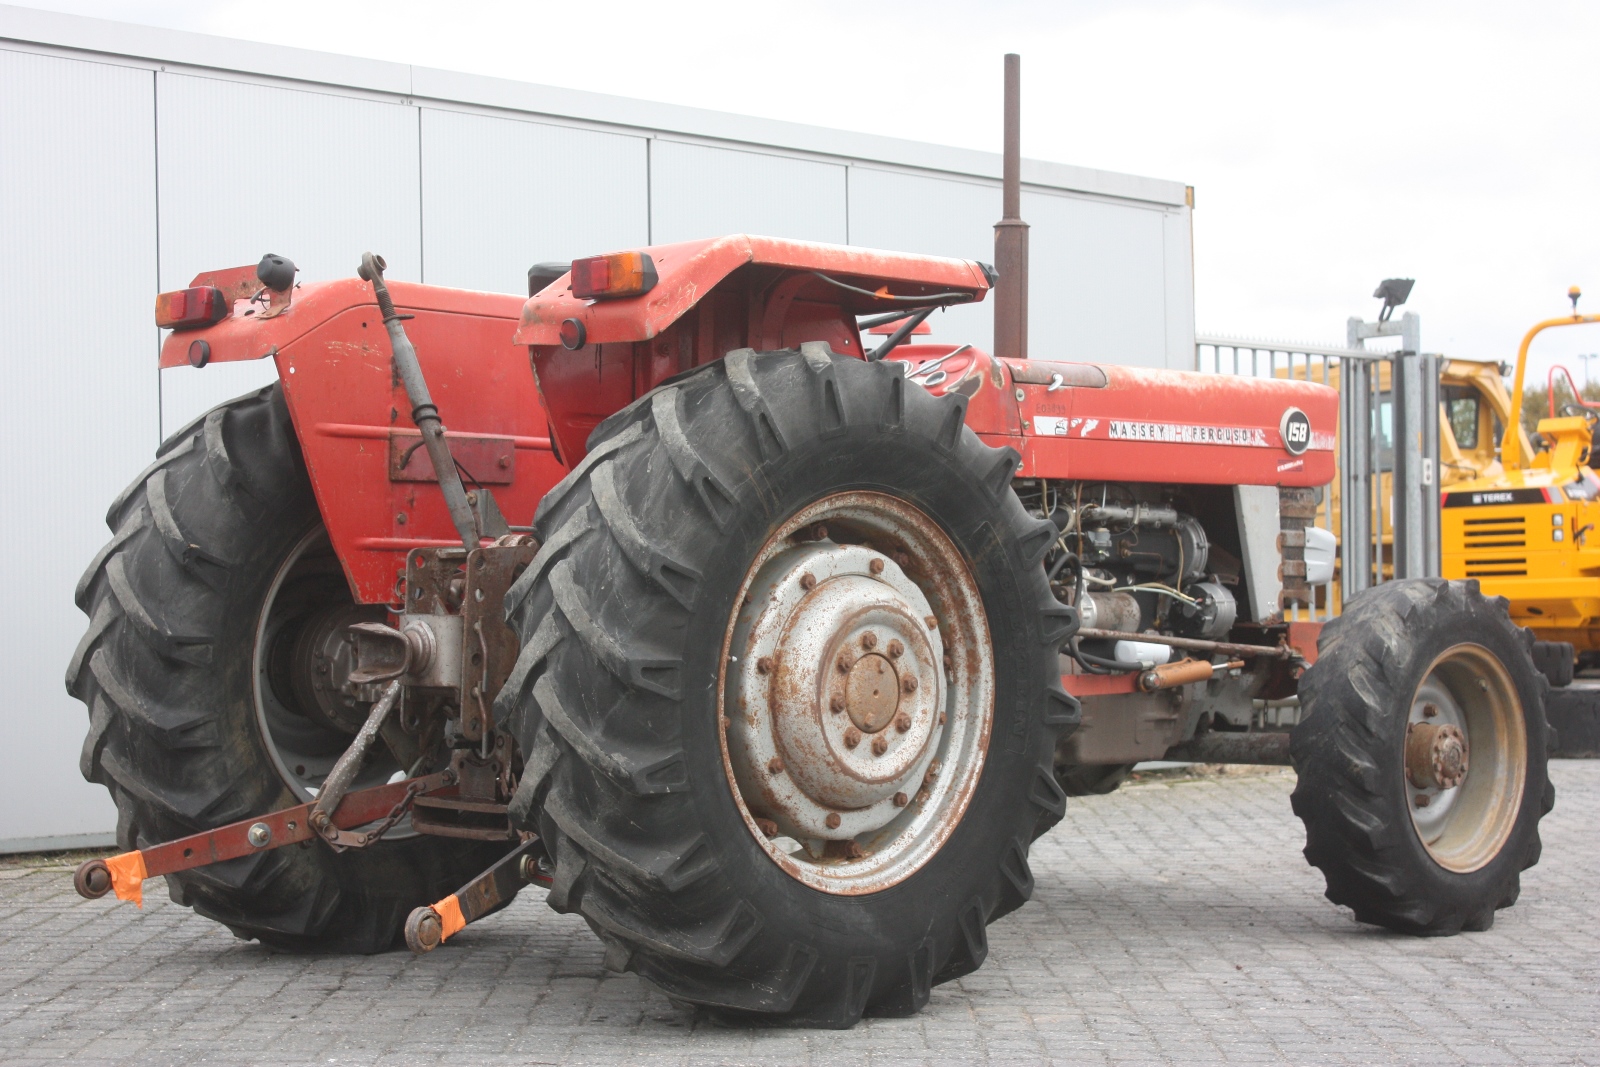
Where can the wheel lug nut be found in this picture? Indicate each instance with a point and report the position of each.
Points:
(901, 800)
(896, 649)
(1422, 800)
(808, 580)
(1429, 711)
(853, 851)
(768, 827)
(933, 623)
(869, 640)
(832, 820)
(880, 745)
(774, 765)
(876, 566)
(844, 663)
(902, 722)
(941, 718)
(836, 703)
(764, 665)
(819, 532)
(909, 683)
(852, 737)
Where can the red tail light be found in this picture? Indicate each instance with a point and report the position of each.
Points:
(189, 308)
(619, 274)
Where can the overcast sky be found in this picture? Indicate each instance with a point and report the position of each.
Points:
(1331, 144)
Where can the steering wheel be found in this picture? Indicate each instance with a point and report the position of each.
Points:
(1578, 409)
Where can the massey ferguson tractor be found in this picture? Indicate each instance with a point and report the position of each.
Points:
(768, 653)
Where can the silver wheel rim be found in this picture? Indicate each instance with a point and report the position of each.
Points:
(301, 752)
(1465, 825)
(856, 694)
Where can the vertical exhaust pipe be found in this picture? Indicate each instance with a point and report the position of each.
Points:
(1011, 233)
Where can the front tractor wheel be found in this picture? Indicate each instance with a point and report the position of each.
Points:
(788, 693)
(1421, 758)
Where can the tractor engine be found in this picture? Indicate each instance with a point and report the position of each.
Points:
(1134, 558)
(1161, 579)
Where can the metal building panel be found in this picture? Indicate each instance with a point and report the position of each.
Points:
(936, 216)
(1096, 280)
(77, 210)
(1178, 229)
(697, 191)
(499, 195)
(246, 169)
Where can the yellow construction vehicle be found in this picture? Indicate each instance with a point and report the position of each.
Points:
(1475, 410)
(1530, 531)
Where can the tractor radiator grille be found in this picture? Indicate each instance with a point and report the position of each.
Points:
(1490, 546)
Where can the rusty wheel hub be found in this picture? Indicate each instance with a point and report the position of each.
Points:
(823, 705)
(853, 736)
(1465, 758)
(1436, 755)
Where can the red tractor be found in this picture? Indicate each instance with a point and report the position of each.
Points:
(768, 654)
(804, 646)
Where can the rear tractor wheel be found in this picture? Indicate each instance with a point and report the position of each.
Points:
(211, 670)
(1422, 756)
(788, 692)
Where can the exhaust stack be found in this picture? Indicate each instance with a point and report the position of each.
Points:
(1011, 233)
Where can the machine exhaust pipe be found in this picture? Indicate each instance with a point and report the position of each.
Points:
(1011, 233)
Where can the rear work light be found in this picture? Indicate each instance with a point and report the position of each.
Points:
(619, 274)
(187, 309)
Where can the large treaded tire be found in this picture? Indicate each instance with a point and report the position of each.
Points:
(614, 698)
(1348, 752)
(166, 668)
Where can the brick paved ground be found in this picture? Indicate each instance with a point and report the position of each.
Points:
(1173, 923)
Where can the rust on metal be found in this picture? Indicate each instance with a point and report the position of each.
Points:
(488, 459)
(428, 927)
(1436, 755)
(491, 646)
(359, 808)
(1057, 375)
(859, 625)
(1011, 233)
(1195, 644)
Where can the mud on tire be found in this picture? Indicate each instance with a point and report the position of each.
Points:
(614, 699)
(1353, 792)
(166, 671)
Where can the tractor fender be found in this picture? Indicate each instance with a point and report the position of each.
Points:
(374, 486)
(688, 271)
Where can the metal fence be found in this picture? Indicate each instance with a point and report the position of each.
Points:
(1383, 505)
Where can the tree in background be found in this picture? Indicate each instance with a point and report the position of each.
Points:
(1536, 401)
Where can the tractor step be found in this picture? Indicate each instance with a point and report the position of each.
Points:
(428, 927)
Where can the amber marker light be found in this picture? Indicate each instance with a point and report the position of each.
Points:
(616, 275)
(187, 309)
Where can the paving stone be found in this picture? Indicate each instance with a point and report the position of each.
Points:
(1173, 922)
